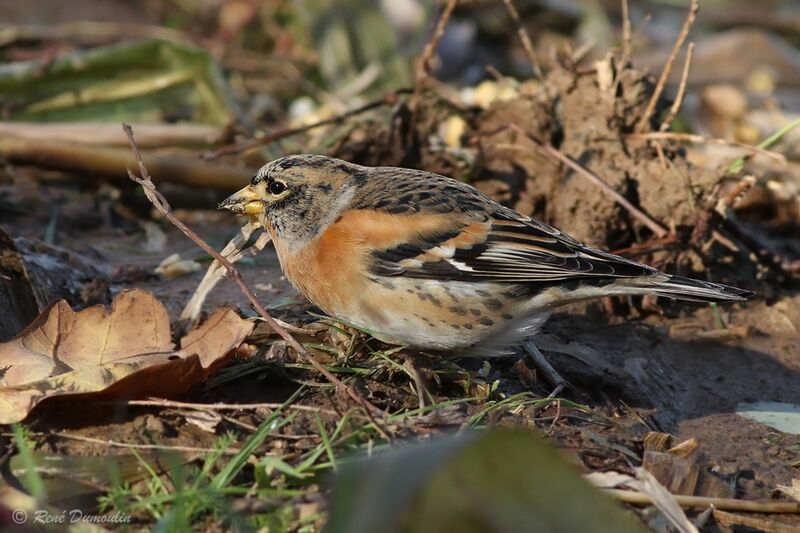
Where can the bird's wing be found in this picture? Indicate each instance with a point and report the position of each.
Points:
(505, 247)
(473, 238)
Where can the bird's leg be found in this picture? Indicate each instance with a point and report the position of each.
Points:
(547, 370)
(421, 383)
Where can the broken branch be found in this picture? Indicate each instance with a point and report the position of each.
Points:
(524, 38)
(109, 162)
(423, 67)
(676, 105)
(730, 504)
(662, 80)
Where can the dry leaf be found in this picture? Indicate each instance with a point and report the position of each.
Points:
(122, 354)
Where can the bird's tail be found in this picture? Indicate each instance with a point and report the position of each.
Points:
(695, 290)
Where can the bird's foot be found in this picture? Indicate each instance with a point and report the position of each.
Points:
(421, 383)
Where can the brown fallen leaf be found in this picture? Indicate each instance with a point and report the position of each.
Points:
(125, 353)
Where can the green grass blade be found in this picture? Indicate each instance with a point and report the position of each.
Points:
(767, 143)
(34, 481)
(238, 461)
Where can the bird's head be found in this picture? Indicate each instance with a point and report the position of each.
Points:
(298, 196)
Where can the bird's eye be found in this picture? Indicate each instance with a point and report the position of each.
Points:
(277, 187)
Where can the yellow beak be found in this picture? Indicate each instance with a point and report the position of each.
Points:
(246, 202)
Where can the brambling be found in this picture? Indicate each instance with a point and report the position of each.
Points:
(420, 259)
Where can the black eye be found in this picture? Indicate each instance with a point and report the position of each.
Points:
(277, 187)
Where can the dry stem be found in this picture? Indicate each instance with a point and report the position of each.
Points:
(731, 504)
(662, 80)
(676, 105)
(130, 446)
(157, 402)
(694, 138)
(644, 218)
(757, 524)
(423, 66)
(160, 203)
(626, 31)
(524, 38)
(627, 47)
(389, 99)
(91, 162)
(637, 213)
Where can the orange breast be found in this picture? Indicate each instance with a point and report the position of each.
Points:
(333, 270)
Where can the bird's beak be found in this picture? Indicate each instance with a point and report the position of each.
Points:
(246, 202)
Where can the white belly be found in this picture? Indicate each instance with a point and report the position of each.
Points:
(467, 318)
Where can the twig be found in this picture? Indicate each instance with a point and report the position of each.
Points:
(662, 80)
(626, 31)
(116, 444)
(645, 219)
(750, 522)
(524, 38)
(730, 504)
(228, 406)
(717, 214)
(676, 105)
(423, 67)
(91, 162)
(160, 203)
(694, 138)
(762, 250)
(555, 418)
(107, 134)
(544, 366)
(389, 99)
(647, 247)
(627, 47)
(735, 195)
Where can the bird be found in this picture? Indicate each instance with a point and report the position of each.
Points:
(423, 260)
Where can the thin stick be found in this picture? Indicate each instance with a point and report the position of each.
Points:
(626, 31)
(762, 250)
(729, 504)
(627, 47)
(662, 80)
(423, 67)
(228, 406)
(645, 219)
(647, 247)
(117, 444)
(676, 105)
(550, 373)
(92, 162)
(694, 138)
(161, 204)
(524, 38)
(389, 99)
(757, 524)
(735, 195)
